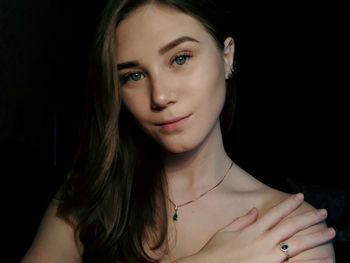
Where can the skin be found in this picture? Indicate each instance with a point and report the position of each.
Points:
(168, 85)
(159, 88)
(166, 89)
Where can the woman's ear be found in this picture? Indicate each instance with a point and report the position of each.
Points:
(229, 51)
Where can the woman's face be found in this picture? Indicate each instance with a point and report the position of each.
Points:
(172, 75)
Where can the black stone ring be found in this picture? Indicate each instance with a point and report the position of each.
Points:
(284, 247)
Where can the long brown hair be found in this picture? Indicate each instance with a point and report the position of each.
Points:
(115, 193)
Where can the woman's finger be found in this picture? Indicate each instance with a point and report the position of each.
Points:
(288, 227)
(315, 260)
(298, 244)
(278, 212)
(242, 222)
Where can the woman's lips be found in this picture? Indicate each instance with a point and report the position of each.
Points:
(174, 124)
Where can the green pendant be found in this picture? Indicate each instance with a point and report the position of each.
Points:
(175, 216)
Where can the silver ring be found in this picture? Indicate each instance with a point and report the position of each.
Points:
(284, 247)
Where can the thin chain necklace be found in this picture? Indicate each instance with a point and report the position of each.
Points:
(176, 207)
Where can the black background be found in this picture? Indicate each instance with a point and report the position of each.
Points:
(292, 106)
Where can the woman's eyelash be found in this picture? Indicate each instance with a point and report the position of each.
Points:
(179, 59)
(134, 76)
(182, 58)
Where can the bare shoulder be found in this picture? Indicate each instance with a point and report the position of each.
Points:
(271, 197)
(54, 241)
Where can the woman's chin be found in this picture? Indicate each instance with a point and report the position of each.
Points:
(173, 146)
(179, 147)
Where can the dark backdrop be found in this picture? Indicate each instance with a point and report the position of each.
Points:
(290, 128)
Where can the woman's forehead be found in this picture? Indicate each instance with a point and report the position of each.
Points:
(155, 26)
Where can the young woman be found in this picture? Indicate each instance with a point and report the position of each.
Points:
(152, 181)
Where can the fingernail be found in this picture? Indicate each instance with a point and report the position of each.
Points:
(331, 231)
(322, 212)
(251, 211)
(298, 197)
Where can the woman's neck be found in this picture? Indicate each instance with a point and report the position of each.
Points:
(191, 173)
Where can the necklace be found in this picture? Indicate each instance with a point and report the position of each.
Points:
(176, 207)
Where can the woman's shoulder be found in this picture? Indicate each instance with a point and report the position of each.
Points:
(270, 197)
(54, 241)
(259, 194)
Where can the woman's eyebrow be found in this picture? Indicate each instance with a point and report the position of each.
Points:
(175, 43)
(161, 51)
(130, 64)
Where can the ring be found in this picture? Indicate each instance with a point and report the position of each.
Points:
(284, 247)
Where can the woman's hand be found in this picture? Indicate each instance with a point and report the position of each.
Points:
(252, 240)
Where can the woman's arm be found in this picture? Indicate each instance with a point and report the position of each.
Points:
(54, 241)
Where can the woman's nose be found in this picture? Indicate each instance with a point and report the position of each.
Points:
(163, 93)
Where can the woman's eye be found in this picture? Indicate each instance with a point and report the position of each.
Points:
(181, 59)
(134, 76)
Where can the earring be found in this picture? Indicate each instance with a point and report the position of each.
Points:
(231, 72)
